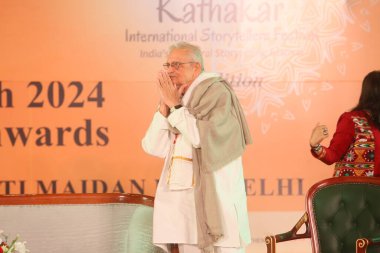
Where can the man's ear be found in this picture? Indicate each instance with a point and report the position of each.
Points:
(198, 66)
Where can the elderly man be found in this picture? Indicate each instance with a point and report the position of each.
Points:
(201, 131)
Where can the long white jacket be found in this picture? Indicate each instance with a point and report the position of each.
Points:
(174, 211)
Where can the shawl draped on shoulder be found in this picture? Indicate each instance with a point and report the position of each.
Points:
(223, 134)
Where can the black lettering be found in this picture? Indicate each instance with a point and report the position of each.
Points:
(288, 186)
(230, 16)
(95, 186)
(7, 186)
(41, 188)
(263, 188)
(75, 103)
(249, 182)
(161, 10)
(210, 11)
(60, 132)
(68, 188)
(6, 96)
(101, 132)
(118, 187)
(34, 103)
(96, 95)
(22, 187)
(56, 97)
(139, 188)
(20, 134)
(84, 186)
(201, 12)
(86, 133)
(45, 138)
(190, 14)
(264, 14)
(217, 9)
(300, 186)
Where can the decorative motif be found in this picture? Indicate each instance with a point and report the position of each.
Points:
(369, 156)
(360, 158)
(362, 243)
(351, 156)
(287, 53)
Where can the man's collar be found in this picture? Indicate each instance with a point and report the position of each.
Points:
(202, 76)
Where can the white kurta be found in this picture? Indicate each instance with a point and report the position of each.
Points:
(174, 218)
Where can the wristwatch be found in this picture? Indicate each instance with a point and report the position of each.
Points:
(172, 109)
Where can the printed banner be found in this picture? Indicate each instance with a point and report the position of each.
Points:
(78, 88)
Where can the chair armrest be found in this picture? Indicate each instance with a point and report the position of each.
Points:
(271, 240)
(363, 243)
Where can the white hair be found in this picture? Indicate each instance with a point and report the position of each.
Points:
(195, 50)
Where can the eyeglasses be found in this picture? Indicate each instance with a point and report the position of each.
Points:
(175, 64)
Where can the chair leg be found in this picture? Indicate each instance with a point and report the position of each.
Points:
(361, 245)
(270, 241)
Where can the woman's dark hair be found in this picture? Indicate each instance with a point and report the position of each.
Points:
(370, 96)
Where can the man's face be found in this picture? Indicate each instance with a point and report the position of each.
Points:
(187, 72)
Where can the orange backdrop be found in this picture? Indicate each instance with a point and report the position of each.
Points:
(77, 83)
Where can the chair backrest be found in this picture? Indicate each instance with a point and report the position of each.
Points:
(341, 210)
(80, 222)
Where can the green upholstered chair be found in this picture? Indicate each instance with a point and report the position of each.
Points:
(342, 216)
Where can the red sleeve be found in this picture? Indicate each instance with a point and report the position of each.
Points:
(341, 141)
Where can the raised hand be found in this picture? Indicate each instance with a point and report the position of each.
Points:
(169, 92)
(319, 133)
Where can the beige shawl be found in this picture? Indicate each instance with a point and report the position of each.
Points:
(223, 134)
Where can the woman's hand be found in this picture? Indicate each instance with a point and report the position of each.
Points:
(319, 133)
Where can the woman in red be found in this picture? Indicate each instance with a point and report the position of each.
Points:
(355, 146)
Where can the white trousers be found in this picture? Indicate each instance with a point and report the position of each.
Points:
(190, 248)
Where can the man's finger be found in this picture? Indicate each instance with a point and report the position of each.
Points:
(160, 80)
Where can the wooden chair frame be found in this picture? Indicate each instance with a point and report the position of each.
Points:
(309, 220)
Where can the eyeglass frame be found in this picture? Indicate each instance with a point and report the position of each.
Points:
(175, 64)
